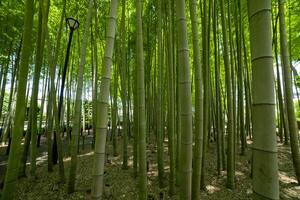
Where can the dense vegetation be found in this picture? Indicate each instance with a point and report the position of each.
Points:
(188, 92)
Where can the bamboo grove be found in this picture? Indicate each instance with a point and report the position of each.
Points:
(174, 77)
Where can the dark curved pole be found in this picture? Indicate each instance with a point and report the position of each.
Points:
(61, 96)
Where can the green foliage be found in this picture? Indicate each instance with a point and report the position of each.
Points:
(297, 110)
(293, 28)
(297, 81)
(88, 107)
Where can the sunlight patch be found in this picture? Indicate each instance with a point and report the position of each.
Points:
(239, 173)
(286, 179)
(292, 193)
(42, 159)
(212, 189)
(87, 154)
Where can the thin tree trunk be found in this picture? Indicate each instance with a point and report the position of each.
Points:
(282, 108)
(230, 131)
(198, 149)
(171, 100)
(159, 104)
(52, 92)
(241, 81)
(141, 103)
(124, 87)
(218, 94)
(3, 85)
(95, 74)
(114, 109)
(206, 106)
(293, 129)
(42, 24)
(185, 96)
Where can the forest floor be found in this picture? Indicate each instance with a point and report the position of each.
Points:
(121, 184)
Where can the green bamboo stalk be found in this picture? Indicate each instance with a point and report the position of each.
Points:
(292, 123)
(230, 127)
(42, 24)
(185, 166)
(102, 105)
(14, 159)
(159, 104)
(198, 149)
(265, 164)
(141, 103)
(171, 100)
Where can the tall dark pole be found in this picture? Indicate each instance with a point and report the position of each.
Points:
(61, 96)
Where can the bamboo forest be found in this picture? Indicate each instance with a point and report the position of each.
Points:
(149, 99)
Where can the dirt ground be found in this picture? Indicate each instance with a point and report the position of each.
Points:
(120, 184)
